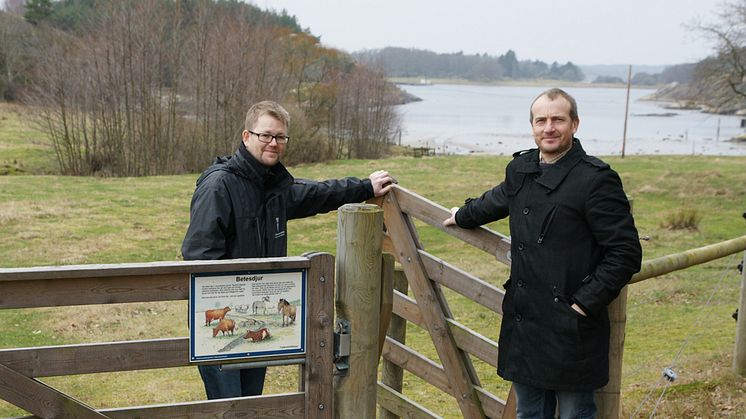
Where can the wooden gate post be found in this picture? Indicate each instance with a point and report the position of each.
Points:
(739, 356)
(357, 300)
(316, 380)
(609, 397)
(391, 374)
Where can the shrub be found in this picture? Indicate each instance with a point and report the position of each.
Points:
(682, 218)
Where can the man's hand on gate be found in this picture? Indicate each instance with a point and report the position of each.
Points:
(451, 221)
(382, 182)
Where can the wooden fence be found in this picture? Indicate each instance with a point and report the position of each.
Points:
(147, 282)
(427, 307)
(453, 341)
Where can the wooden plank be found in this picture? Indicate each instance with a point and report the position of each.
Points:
(434, 374)
(49, 361)
(609, 397)
(276, 406)
(82, 291)
(318, 379)
(150, 268)
(51, 286)
(471, 372)
(472, 342)
(388, 247)
(509, 411)
(418, 365)
(87, 358)
(464, 283)
(493, 405)
(392, 375)
(41, 400)
(422, 287)
(406, 307)
(433, 214)
(401, 406)
(387, 298)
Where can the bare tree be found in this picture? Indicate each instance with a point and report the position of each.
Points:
(61, 100)
(364, 120)
(109, 96)
(230, 64)
(135, 60)
(726, 70)
(16, 42)
(314, 72)
(153, 87)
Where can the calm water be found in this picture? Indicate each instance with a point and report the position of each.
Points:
(494, 119)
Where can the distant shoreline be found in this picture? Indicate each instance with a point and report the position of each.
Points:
(417, 81)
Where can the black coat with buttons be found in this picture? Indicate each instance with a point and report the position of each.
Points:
(573, 240)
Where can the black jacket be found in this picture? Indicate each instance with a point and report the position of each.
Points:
(573, 240)
(240, 208)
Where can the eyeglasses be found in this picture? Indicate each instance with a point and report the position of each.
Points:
(267, 138)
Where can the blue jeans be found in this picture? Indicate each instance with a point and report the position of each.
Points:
(231, 383)
(538, 403)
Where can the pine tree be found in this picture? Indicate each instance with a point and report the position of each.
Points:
(38, 10)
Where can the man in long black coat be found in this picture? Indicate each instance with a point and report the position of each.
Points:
(574, 246)
(240, 209)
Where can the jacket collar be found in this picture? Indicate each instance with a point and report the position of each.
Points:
(243, 164)
(271, 176)
(556, 173)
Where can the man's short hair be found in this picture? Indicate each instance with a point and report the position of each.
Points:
(552, 94)
(266, 107)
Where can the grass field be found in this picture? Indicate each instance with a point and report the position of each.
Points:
(682, 319)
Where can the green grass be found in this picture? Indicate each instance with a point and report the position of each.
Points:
(24, 147)
(53, 220)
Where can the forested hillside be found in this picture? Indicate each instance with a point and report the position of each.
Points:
(410, 62)
(130, 88)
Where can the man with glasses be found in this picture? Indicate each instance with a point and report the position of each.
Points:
(574, 246)
(240, 209)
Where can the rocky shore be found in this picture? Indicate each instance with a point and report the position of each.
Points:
(685, 96)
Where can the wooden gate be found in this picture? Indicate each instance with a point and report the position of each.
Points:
(148, 282)
(455, 342)
(429, 309)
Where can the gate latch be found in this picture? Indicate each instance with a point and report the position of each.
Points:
(342, 339)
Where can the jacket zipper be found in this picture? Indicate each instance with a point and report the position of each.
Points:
(547, 224)
(259, 236)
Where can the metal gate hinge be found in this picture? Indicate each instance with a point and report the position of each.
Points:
(342, 339)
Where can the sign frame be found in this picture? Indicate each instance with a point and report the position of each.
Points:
(250, 295)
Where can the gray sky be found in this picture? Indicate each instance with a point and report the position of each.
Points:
(581, 31)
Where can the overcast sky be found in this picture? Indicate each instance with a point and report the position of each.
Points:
(582, 31)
